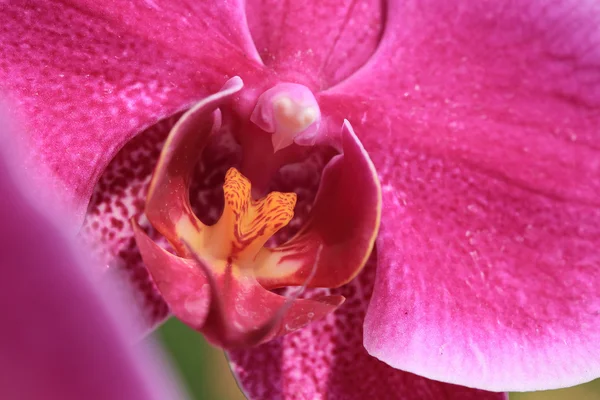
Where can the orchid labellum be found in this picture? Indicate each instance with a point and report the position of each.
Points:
(236, 163)
(221, 282)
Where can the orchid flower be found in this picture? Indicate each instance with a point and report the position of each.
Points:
(456, 137)
(60, 337)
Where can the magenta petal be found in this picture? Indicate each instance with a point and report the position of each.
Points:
(482, 120)
(187, 26)
(58, 340)
(326, 360)
(483, 283)
(85, 80)
(495, 85)
(326, 40)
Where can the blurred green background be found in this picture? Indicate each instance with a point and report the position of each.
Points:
(205, 372)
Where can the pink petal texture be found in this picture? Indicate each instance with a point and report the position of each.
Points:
(326, 360)
(58, 339)
(461, 79)
(87, 77)
(482, 119)
(316, 43)
(107, 232)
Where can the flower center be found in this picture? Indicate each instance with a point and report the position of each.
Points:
(222, 278)
(290, 112)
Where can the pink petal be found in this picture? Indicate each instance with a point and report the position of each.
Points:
(326, 360)
(187, 26)
(484, 283)
(462, 79)
(58, 338)
(317, 43)
(87, 79)
(482, 120)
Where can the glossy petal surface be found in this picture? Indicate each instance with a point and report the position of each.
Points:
(482, 120)
(326, 360)
(87, 77)
(56, 329)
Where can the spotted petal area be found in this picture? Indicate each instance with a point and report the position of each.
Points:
(482, 120)
(107, 232)
(86, 77)
(326, 360)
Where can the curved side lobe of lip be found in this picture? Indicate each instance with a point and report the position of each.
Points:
(344, 220)
(168, 203)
